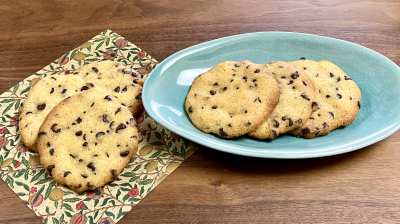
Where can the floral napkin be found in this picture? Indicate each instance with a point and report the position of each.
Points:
(160, 151)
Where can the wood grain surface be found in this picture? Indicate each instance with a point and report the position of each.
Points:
(214, 187)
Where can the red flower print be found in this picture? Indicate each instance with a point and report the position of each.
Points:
(41, 218)
(133, 192)
(175, 136)
(3, 130)
(62, 60)
(80, 205)
(110, 55)
(141, 119)
(143, 133)
(78, 219)
(14, 120)
(17, 164)
(3, 142)
(149, 69)
(141, 54)
(67, 72)
(121, 43)
(33, 190)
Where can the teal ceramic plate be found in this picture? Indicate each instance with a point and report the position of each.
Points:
(378, 78)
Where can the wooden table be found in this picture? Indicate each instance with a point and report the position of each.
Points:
(214, 187)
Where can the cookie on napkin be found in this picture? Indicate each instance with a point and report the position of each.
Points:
(123, 82)
(42, 98)
(87, 140)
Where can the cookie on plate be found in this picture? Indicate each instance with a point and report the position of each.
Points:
(87, 140)
(296, 103)
(121, 81)
(232, 98)
(337, 95)
(42, 97)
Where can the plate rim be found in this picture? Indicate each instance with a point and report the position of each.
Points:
(262, 154)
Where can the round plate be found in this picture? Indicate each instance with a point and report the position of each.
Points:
(165, 91)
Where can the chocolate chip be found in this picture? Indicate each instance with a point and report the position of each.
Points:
(302, 58)
(190, 109)
(231, 80)
(81, 160)
(214, 107)
(127, 71)
(114, 173)
(107, 155)
(120, 127)
(229, 125)
(52, 90)
(333, 116)
(91, 166)
(124, 154)
(42, 133)
(258, 98)
(116, 112)
(331, 74)
(64, 91)
(222, 133)
(212, 92)
(134, 74)
(237, 65)
(79, 133)
(225, 88)
(90, 84)
(95, 69)
(359, 104)
(290, 82)
(50, 168)
(311, 118)
(283, 77)
(245, 111)
(84, 137)
(245, 78)
(275, 134)
(84, 176)
(325, 125)
(72, 155)
(48, 144)
(276, 123)
(247, 124)
(257, 70)
(314, 104)
(99, 134)
(41, 106)
(28, 113)
(85, 144)
(338, 96)
(327, 96)
(105, 117)
(347, 78)
(84, 88)
(67, 173)
(79, 120)
(299, 120)
(304, 83)
(112, 123)
(338, 79)
(247, 66)
(124, 89)
(295, 75)
(215, 84)
(54, 78)
(139, 96)
(108, 97)
(305, 131)
(305, 96)
(117, 89)
(51, 151)
(54, 128)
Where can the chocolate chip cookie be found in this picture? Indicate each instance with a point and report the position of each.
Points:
(232, 98)
(337, 95)
(297, 99)
(42, 98)
(87, 140)
(123, 82)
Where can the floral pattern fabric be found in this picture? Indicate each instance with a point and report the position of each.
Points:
(160, 150)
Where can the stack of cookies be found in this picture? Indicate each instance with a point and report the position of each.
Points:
(83, 125)
(304, 98)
